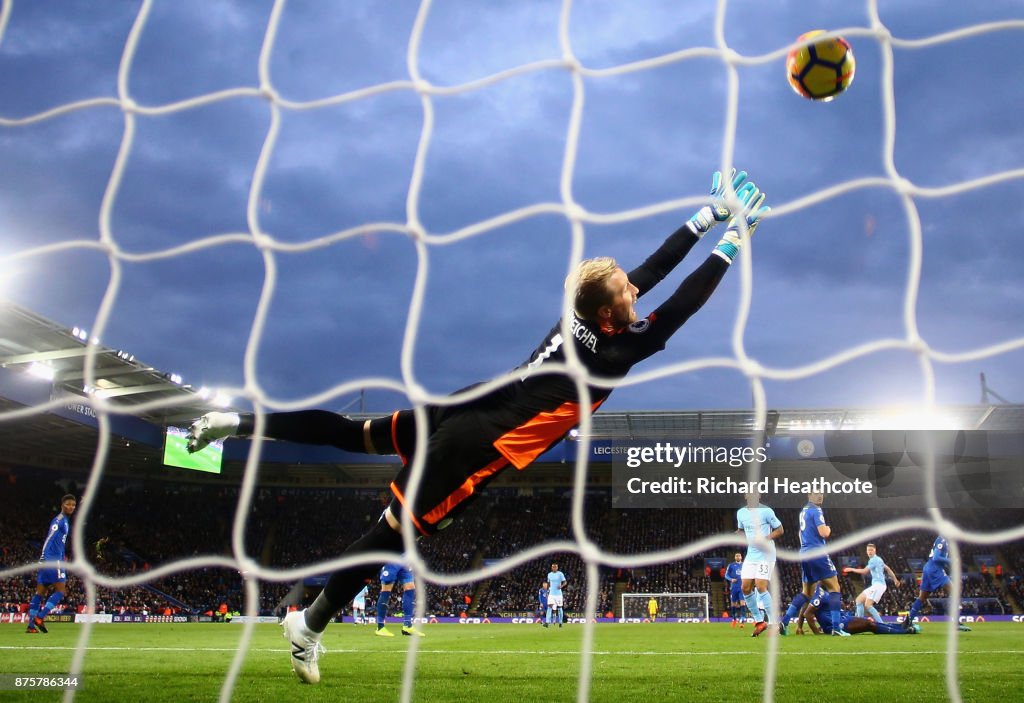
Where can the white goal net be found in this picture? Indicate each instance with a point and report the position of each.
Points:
(671, 607)
(715, 68)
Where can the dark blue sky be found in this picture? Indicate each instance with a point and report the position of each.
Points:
(827, 276)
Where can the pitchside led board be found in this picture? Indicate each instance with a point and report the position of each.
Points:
(176, 453)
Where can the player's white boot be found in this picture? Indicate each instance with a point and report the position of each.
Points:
(305, 644)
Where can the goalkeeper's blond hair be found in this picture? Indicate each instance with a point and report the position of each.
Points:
(589, 285)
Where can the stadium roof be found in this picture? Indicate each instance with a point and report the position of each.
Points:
(55, 357)
(55, 353)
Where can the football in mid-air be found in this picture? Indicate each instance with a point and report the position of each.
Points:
(821, 70)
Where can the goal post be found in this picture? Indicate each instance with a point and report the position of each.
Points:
(671, 607)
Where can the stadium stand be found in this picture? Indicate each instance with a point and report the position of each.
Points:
(300, 495)
(282, 518)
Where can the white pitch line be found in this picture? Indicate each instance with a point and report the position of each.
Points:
(599, 653)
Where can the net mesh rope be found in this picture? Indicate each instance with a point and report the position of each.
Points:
(577, 217)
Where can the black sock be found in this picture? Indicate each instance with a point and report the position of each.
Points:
(309, 427)
(343, 585)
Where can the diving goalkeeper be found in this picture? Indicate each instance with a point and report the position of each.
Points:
(469, 443)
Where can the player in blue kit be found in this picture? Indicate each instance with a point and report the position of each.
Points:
(542, 601)
(737, 608)
(52, 578)
(824, 621)
(762, 527)
(817, 570)
(874, 592)
(933, 577)
(556, 579)
(390, 574)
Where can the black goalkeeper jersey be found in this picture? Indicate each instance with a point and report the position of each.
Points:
(470, 442)
(528, 416)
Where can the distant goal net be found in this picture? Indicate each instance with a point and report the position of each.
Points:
(671, 607)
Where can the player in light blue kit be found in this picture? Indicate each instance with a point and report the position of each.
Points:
(933, 577)
(390, 574)
(359, 606)
(818, 570)
(737, 608)
(52, 578)
(761, 526)
(850, 624)
(874, 592)
(556, 580)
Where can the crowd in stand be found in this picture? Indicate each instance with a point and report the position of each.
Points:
(524, 521)
(135, 526)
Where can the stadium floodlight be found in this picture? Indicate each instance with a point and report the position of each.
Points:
(903, 419)
(214, 397)
(221, 399)
(43, 372)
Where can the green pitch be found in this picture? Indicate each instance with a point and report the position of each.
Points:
(521, 663)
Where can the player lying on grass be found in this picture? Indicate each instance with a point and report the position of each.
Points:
(821, 622)
(469, 443)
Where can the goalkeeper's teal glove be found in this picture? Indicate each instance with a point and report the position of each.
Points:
(209, 427)
(753, 210)
(718, 211)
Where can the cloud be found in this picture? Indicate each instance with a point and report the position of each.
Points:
(826, 277)
(179, 56)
